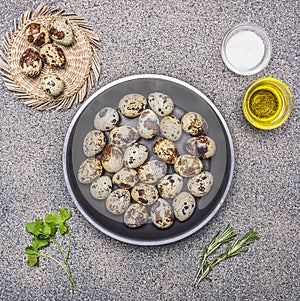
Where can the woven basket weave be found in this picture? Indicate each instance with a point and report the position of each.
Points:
(81, 71)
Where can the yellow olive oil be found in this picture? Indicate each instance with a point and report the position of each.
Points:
(267, 103)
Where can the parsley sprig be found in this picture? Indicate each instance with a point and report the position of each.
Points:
(44, 233)
(234, 248)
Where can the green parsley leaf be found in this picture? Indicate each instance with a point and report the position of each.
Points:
(41, 229)
(32, 255)
(39, 243)
(35, 227)
(56, 219)
(30, 250)
(48, 229)
(33, 250)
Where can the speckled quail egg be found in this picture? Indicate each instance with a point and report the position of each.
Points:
(112, 158)
(37, 34)
(31, 62)
(201, 146)
(151, 171)
(200, 184)
(170, 185)
(162, 214)
(135, 155)
(145, 194)
(101, 188)
(106, 119)
(148, 124)
(194, 124)
(125, 178)
(135, 216)
(89, 170)
(184, 206)
(61, 31)
(118, 201)
(170, 127)
(188, 165)
(161, 103)
(93, 143)
(52, 84)
(132, 105)
(123, 136)
(53, 55)
(166, 150)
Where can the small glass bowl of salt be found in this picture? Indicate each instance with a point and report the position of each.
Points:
(246, 49)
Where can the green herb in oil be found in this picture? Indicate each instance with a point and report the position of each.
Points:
(263, 104)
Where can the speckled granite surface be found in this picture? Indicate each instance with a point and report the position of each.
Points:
(180, 39)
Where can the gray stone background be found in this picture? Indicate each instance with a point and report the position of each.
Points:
(181, 39)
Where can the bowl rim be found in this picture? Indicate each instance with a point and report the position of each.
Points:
(281, 120)
(266, 41)
(230, 167)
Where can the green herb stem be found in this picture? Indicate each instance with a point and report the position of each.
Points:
(58, 246)
(54, 260)
(65, 257)
(66, 269)
(69, 246)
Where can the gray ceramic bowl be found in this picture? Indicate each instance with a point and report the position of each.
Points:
(186, 98)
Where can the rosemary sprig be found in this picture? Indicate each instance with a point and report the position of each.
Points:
(232, 250)
(218, 240)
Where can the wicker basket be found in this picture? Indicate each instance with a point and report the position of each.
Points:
(81, 71)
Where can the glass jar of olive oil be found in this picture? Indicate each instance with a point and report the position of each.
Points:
(267, 103)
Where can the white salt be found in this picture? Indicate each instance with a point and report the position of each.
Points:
(245, 50)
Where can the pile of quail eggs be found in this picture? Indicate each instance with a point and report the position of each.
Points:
(138, 170)
(46, 48)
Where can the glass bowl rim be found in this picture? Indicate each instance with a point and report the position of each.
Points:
(281, 118)
(266, 41)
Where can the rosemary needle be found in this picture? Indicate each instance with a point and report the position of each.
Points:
(233, 249)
